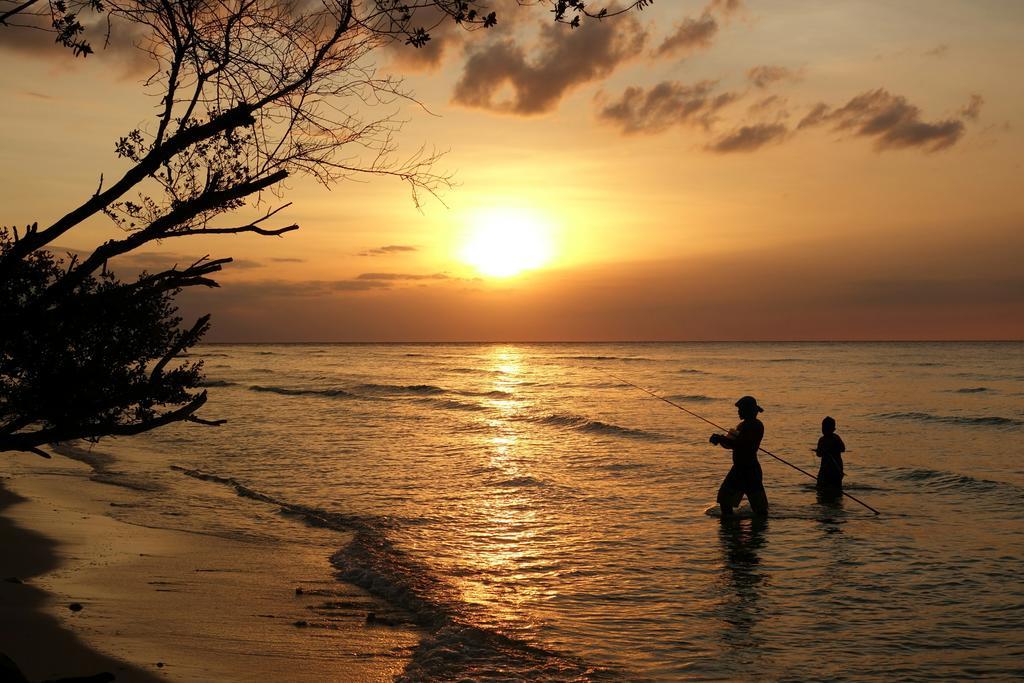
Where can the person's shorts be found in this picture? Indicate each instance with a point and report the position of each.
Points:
(743, 482)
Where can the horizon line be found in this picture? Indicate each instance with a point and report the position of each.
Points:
(635, 341)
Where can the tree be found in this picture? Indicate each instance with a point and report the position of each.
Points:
(251, 92)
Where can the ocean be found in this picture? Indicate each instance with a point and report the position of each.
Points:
(537, 519)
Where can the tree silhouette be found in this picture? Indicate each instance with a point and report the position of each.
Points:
(250, 93)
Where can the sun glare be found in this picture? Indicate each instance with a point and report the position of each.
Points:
(506, 242)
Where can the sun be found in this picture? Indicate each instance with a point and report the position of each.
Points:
(506, 242)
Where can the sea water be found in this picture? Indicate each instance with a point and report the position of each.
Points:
(538, 519)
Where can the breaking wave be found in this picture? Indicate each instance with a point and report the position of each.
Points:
(984, 421)
(451, 404)
(102, 465)
(454, 648)
(288, 391)
(584, 424)
(402, 388)
(604, 358)
(519, 482)
(952, 481)
(695, 398)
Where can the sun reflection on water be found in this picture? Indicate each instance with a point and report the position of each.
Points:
(505, 547)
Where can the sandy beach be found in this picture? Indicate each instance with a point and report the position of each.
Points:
(85, 593)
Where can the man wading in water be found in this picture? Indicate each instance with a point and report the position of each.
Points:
(745, 476)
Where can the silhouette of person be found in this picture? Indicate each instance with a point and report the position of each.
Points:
(830, 449)
(744, 477)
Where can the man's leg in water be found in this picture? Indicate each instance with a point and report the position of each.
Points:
(729, 493)
(758, 500)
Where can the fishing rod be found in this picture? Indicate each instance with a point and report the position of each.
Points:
(716, 426)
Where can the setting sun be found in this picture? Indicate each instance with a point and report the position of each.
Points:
(506, 242)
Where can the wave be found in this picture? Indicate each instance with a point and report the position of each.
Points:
(427, 393)
(692, 371)
(494, 393)
(313, 516)
(451, 404)
(986, 421)
(217, 383)
(101, 464)
(287, 391)
(971, 390)
(988, 377)
(402, 388)
(584, 424)
(431, 390)
(696, 398)
(847, 486)
(454, 648)
(640, 359)
(474, 371)
(623, 466)
(952, 481)
(519, 482)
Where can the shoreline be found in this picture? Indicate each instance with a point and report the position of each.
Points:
(161, 604)
(35, 640)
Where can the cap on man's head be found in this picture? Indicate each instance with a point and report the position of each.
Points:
(749, 401)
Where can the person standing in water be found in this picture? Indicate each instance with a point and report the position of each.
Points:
(744, 477)
(830, 449)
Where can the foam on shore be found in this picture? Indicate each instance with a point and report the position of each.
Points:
(203, 607)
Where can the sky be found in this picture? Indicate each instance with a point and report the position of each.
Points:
(732, 170)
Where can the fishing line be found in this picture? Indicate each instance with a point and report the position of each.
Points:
(716, 426)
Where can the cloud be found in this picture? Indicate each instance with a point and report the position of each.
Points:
(356, 285)
(31, 35)
(446, 37)
(565, 59)
(30, 94)
(690, 34)
(937, 51)
(726, 7)
(890, 119)
(972, 110)
(666, 104)
(768, 104)
(155, 261)
(388, 249)
(393, 277)
(749, 138)
(284, 259)
(262, 290)
(765, 75)
(697, 34)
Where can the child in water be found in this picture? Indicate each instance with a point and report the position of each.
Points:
(830, 449)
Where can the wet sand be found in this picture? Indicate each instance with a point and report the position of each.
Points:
(32, 636)
(163, 604)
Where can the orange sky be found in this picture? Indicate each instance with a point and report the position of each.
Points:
(781, 170)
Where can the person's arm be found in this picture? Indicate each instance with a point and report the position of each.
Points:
(726, 441)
